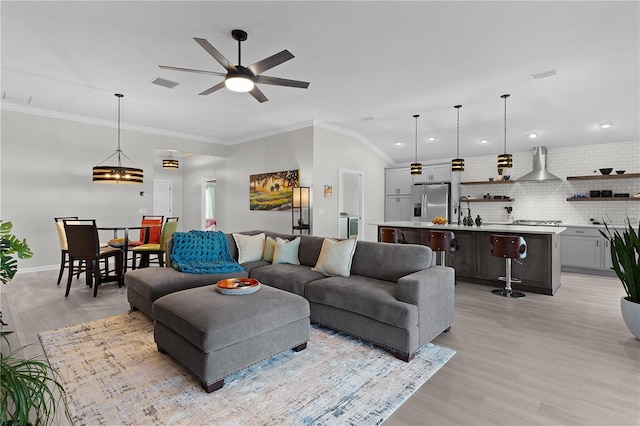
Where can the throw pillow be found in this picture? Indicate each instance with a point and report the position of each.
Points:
(286, 251)
(269, 247)
(250, 247)
(335, 257)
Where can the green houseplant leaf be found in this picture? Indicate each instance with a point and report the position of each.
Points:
(10, 245)
(625, 257)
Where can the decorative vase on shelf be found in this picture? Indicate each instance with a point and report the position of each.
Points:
(478, 220)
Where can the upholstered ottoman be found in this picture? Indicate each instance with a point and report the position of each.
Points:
(215, 335)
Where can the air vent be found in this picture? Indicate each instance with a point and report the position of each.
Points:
(165, 83)
(16, 99)
(543, 74)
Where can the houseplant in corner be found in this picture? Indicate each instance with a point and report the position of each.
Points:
(625, 257)
(30, 392)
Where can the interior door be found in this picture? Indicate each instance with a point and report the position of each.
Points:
(162, 197)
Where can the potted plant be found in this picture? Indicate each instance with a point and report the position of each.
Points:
(625, 256)
(30, 392)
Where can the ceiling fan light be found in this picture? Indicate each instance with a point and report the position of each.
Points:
(239, 83)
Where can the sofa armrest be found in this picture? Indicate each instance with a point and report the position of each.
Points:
(432, 290)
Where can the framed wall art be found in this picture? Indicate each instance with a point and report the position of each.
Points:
(273, 190)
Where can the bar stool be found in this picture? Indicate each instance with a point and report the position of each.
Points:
(391, 235)
(508, 247)
(443, 242)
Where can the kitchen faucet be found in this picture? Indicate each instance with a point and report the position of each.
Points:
(467, 221)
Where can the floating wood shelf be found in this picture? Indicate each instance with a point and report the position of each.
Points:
(488, 200)
(605, 199)
(488, 182)
(600, 177)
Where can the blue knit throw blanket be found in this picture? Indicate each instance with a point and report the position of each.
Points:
(202, 252)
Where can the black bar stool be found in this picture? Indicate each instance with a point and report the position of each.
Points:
(508, 247)
(443, 242)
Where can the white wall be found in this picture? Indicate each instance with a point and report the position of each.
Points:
(332, 151)
(46, 172)
(548, 200)
(286, 151)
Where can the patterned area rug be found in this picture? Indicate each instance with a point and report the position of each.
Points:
(113, 374)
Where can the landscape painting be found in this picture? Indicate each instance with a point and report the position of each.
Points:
(272, 191)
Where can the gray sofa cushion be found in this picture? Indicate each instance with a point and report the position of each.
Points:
(365, 296)
(389, 262)
(291, 278)
(153, 283)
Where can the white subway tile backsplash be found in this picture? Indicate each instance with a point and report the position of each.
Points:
(548, 200)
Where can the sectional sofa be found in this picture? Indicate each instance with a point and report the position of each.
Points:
(394, 295)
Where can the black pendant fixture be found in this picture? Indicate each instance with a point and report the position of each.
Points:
(170, 163)
(505, 161)
(457, 164)
(117, 173)
(416, 168)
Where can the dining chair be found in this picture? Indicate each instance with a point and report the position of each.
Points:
(152, 223)
(146, 250)
(62, 239)
(84, 245)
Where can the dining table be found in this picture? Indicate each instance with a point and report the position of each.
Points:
(125, 234)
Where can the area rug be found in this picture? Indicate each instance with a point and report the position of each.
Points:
(113, 374)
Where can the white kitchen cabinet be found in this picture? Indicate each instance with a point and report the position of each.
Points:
(397, 208)
(608, 263)
(434, 173)
(398, 181)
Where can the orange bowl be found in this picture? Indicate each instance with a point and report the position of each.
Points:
(231, 283)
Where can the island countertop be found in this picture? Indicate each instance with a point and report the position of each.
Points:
(515, 229)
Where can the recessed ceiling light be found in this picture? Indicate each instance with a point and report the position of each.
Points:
(484, 140)
(533, 135)
(432, 139)
(368, 118)
(605, 125)
(399, 144)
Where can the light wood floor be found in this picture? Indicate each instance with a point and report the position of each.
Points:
(545, 360)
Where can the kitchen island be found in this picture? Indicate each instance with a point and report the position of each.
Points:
(539, 272)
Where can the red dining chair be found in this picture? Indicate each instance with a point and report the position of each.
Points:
(146, 250)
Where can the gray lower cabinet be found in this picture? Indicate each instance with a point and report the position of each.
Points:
(585, 250)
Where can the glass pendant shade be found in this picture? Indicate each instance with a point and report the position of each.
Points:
(416, 168)
(505, 161)
(239, 83)
(117, 174)
(457, 164)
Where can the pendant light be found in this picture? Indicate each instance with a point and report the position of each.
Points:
(117, 173)
(416, 168)
(505, 161)
(170, 163)
(457, 164)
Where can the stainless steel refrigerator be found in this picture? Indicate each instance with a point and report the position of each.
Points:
(431, 200)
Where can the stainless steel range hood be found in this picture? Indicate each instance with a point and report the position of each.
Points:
(539, 172)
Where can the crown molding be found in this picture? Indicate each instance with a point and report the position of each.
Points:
(95, 121)
(355, 135)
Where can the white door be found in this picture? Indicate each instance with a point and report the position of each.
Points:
(162, 197)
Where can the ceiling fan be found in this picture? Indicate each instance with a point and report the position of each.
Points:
(243, 79)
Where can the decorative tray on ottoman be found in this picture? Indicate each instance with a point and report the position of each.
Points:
(238, 286)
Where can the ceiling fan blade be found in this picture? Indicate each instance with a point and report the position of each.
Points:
(213, 89)
(216, 55)
(166, 67)
(263, 79)
(270, 62)
(256, 93)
